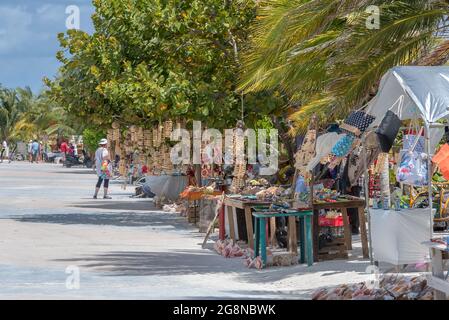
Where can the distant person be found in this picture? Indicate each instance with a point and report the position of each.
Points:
(41, 151)
(70, 149)
(30, 151)
(5, 151)
(35, 147)
(102, 166)
(64, 149)
(75, 149)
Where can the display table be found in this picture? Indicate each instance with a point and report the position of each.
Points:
(437, 279)
(305, 218)
(246, 205)
(194, 200)
(397, 236)
(342, 205)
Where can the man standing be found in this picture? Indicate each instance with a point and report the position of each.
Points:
(102, 166)
(35, 151)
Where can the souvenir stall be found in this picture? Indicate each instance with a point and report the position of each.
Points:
(404, 236)
(418, 95)
(249, 212)
(321, 168)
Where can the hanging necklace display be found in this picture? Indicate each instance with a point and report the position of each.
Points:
(140, 139)
(148, 139)
(168, 128)
(307, 151)
(238, 181)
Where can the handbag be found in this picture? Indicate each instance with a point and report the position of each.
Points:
(413, 168)
(414, 136)
(357, 122)
(410, 137)
(388, 131)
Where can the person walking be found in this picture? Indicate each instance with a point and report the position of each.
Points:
(30, 151)
(41, 151)
(5, 151)
(102, 165)
(35, 151)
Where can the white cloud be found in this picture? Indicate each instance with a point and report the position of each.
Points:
(28, 38)
(15, 22)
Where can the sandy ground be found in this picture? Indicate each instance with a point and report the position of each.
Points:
(125, 248)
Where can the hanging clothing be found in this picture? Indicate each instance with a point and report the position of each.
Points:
(306, 153)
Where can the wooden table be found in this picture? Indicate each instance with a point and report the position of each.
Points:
(194, 197)
(246, 205)
(305, 217)
(343, 205)
(437, 279)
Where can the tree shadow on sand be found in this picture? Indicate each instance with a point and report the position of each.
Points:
(122, 219)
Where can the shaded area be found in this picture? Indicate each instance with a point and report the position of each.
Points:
(77, 171)
(124, 219)
(179, 262)
(118, 205)
(182, 262)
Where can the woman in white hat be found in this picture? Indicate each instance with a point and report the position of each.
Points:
(102, 165)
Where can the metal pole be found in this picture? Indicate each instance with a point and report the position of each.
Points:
(366, 190)
(429, 173)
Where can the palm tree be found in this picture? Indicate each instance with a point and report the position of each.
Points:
(11, 111)
(323, 56)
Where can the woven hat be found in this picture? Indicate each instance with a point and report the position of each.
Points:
(103, 142)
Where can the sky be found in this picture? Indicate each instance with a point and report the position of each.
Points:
(28, 38)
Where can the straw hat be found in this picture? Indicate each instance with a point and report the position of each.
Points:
(103, 142)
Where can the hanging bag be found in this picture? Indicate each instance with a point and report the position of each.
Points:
(357, 122)
(413, 136)
(389, 127)
(413, 168)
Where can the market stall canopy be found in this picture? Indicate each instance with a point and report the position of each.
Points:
(424, 92)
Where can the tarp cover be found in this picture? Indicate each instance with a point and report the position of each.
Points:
(424, 90)
(167, 186)
(397, 236)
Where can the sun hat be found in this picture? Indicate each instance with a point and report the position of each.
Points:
(103, 141)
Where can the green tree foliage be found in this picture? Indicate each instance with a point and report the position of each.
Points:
(91, 137)
(149, 60)
(322, 55)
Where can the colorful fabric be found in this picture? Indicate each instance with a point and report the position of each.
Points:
(105, 172)
(357, 122)
(410, 139)
(413, 169)
(343, 146)
(442, 160)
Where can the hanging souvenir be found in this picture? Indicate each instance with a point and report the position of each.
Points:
(388, 130)
(357, 122)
